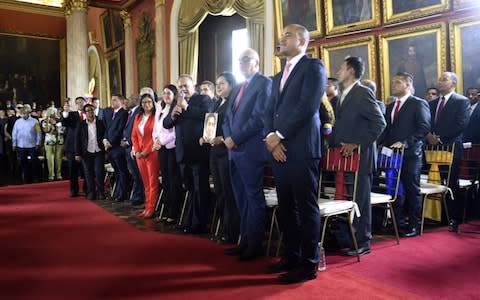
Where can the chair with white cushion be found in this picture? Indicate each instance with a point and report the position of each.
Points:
(339, 203)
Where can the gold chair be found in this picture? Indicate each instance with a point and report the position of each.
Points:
(440, 159)
(386, 183)
(342, 202)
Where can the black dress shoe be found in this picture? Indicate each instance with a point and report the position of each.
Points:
(235, 250)
(413, 232)
(297, 275)
(195, 230)
(137, 203)
(251, 253)
(453, 226)
(74, 194)
(91, 196)
(361, 251)
(282, 266)
(118, 199)
(101, 197)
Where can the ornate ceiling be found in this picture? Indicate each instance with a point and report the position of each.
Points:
(116, 4)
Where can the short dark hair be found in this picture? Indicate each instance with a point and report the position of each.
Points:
(335, 82)
(406, 76)
(88, 105)
(357, 65)
(210, 84)
(80, 98)
(120, 96)
(229, 77)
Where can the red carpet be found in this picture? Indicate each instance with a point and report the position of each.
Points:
(55, 247)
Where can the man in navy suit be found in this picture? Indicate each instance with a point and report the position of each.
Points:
(71, 120)
(115, 120)
(358, 121)
(131, 105)
(408, 122)
(90, 151)
(243, 130)
(187, 116)
(449, 114)
(472, 131)
(292, 124)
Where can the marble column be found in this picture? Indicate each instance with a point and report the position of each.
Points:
(77, 48)
(129, 55)
(160, 42)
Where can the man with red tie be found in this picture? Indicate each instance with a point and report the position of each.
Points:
(449, 114)
(243, 130)
(408, 122)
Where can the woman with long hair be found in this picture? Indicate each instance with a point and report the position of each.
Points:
(164, 141)
(147, 159)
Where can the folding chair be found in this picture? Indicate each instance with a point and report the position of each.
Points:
(342, 202)
(272, 204)
(109, 175)
(386, 183)
(469, 172)
(440, 159)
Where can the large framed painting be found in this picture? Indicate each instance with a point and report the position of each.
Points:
(303, 12)
(464, 44)
(31, 68)
(334, 54)
(420, 51)
(401, 10)
(114, 75)
(106, 23)
(351, 15)
(463, 4)
(117, 28)
(312, 52)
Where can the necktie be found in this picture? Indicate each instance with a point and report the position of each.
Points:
(113, 115)
(395, 112)
(239, 96)
(82, 117)
(441, 104)
(286, 72)
(130, 113)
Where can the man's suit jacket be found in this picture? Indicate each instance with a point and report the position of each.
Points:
(71, 123)
(410, 127)
(245, 126)
(114, 126)
(127, 132)
(189, 129)
(358, 120)
(101, 114)
(472, 131)
(294, 112)
(452, 121)
(81, 141)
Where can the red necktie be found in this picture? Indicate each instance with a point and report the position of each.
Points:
(395, 112)
(286, 72)
(239, 96)
(441, 105)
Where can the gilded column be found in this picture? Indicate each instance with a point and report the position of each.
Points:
(77, 48)
(160, 42)
(129, 56)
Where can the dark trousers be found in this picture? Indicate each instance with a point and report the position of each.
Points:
(299, 215)
(195, 178)
(116, 156)
(410, 203)
(137, 186)
(171, 182)
(73, 172)
(94, 173)
(226, 206)
(28, 162)
(247, 183)
(363, 224)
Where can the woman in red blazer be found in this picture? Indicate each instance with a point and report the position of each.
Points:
(147, 160)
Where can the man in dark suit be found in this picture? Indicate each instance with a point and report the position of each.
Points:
(358, 121)
(243, 130)
(292, 124)
(115, 120)
(71, 121)
(472, 131)
(187, 116)
(90, 151)
(449, 114)
(408, 122)
(131, 105)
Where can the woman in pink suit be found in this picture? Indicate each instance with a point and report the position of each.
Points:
(147, 159)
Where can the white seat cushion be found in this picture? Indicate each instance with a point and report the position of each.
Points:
(377, 198)
(270, 197)
(464, 183)
(430, 188)
(328, 206)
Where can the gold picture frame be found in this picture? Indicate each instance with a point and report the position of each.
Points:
(333, 55)
(313, 52)
(114, 75)
(304, 12)
(106, 24)
(464, 56)
(343, 15)
(279, 63)
(402, 10)
(420, 51)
